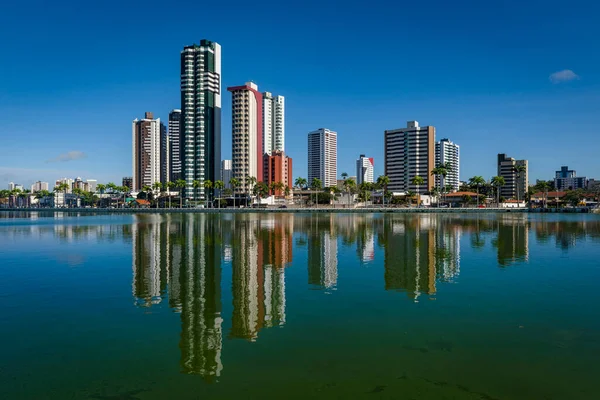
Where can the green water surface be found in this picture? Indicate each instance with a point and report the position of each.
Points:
(299, 306)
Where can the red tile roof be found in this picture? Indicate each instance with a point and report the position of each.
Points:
(461, 194)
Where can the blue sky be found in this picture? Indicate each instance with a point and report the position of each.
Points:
(74, 75)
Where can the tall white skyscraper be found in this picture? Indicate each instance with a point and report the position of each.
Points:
(149, 152)
(364, 169)
(448, 153)
(273, 123)
(247, 133)
(410, 152)
(322, 157)
(200, 115)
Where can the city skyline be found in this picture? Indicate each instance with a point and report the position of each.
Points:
(536, 93)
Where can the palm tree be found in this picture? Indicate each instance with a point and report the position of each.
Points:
(234, 183)
(170, 187)
(363, 188)
(158, 187)
(417, 181)
(410, 194)
(440, 172)
(207, 186)
(124, 190)
(196, 185)
(219, 185)
(287, 191)
(301, 183)
(519, 169)
(383, 182)
(349, 185)
(543, 187)
(477, 181)
(260, 190)
(316, 185)
(279, 186)
(498, 182)
(435, 192)
(180, 184)
(101, 188)
(250, 182)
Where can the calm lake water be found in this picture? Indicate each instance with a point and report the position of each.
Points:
(192, 306)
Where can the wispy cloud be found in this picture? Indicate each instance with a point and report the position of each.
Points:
(565, 75)
(70, 156)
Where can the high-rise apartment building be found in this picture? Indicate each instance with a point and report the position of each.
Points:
(149, 152)
(322, 157)
(567, 179)
(175, 146)
(409, 152)
(364, 169)
(11, 186)
(226, 173)
(92, 185)
(200, 115)
(273, 123)
(68, 181)
(38, 186)
(278, 168)
(516, 183)
(247, 131)
(448, 153)
(80, 184)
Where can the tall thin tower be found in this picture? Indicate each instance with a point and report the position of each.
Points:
(150, 161)
(273, 123)
(322, 157)
(201, 115)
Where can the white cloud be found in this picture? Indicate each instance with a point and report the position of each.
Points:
(70, 156)
(565, 75)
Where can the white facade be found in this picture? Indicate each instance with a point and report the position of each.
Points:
(247, 133)
(409, 152)
(273, 123)
(447, 152)
(364, 169)
(68, 181)
(146, 151)
(38, 186)
(322, 157)
(92, 185)
(226, 174)
(11, 186)
(200, 128)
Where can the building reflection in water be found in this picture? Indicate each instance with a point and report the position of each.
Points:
(419, 250)
(182, 255)
(322, 252)
(183, 251)
(512, 241)
(149, 261)
(261, 249)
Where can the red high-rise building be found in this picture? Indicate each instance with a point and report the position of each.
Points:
(277, 168)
